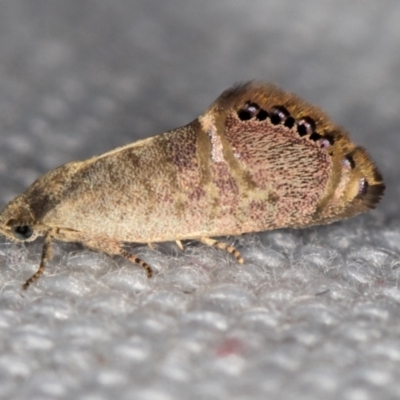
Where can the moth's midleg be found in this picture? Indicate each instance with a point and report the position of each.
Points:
(223, 246)
(133, 258)
(112, 247)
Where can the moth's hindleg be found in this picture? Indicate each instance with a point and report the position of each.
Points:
(47, 254)
(180, 244)
(223, 246)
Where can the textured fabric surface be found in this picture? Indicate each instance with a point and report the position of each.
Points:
(312, 313)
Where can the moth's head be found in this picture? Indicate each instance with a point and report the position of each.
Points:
(17, 222)
(22, 218)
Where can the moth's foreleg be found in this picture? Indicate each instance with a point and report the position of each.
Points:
(47, 254)
(223, 246)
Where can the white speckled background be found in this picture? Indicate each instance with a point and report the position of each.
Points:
(313, 314)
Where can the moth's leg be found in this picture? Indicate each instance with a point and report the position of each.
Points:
(115, 248)
(133, 258)
(180, 244)
(47, 254)
(150, 245)
(102, 245)
(223, 246)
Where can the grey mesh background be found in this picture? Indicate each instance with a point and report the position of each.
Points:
(313, 314)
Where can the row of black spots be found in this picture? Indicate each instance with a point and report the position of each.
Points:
(277, 114)
(280, 115)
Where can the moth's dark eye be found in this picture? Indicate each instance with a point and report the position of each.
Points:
(22, 232)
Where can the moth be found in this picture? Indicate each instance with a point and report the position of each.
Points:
(258, 159)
